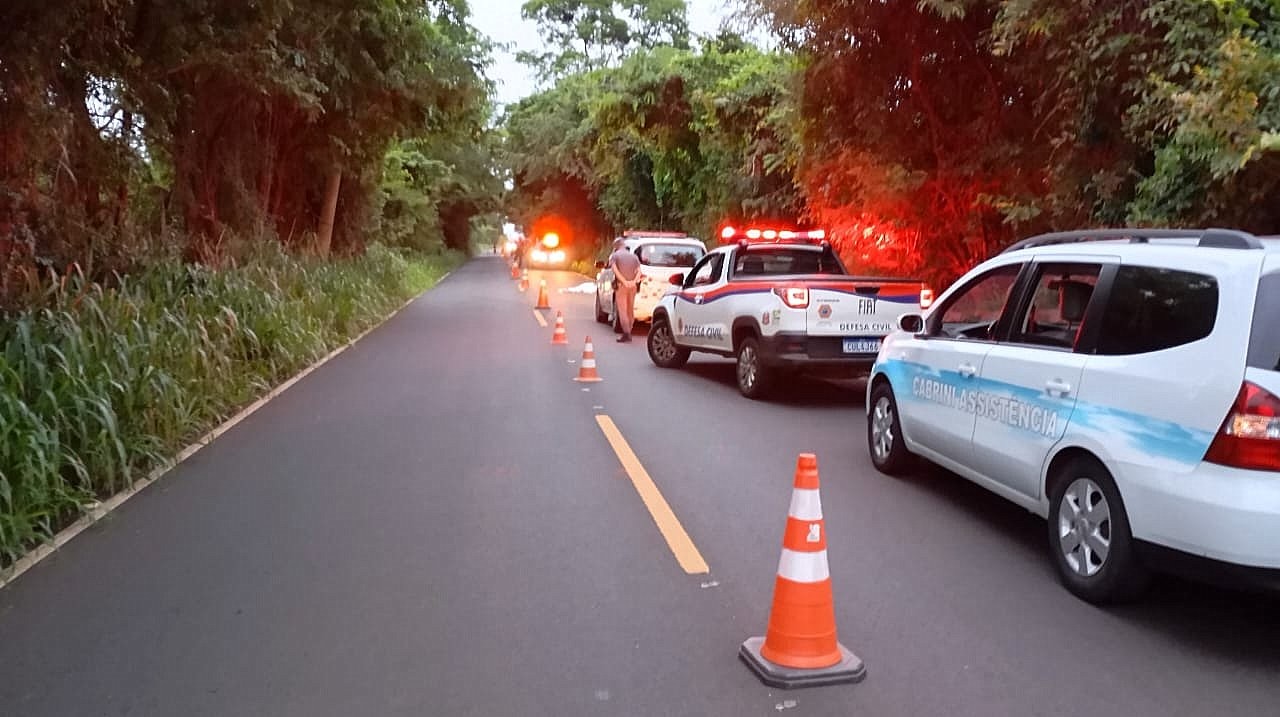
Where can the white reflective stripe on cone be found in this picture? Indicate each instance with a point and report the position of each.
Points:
(806, 504)
(803, 567)
(588, 363)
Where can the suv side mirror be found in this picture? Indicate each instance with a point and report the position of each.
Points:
(599, 264)
(912, 323)
(676, 280)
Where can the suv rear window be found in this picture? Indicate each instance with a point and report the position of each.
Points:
(776, 261)
(1153, 309)
(669, 255)
(1264, 341)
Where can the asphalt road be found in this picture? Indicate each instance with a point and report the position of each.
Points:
(434, 524)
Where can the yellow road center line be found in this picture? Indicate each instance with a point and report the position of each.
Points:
(540, 318)
(677, 539)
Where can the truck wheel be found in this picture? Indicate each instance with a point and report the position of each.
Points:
(755, 380)
(663, 349)
(601, 315)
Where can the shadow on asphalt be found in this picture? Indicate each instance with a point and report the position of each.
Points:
(1233, 624)
(797, 391)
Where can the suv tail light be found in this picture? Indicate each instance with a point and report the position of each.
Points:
(926, 298)
(1250, 435)
(797, 297)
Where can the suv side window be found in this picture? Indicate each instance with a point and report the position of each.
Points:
(1264, 340)
(974, 312)
(1152, 309)
(707, 271)
(1054, 312)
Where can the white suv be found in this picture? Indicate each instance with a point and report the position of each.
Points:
(662, 255)
(1124, 384)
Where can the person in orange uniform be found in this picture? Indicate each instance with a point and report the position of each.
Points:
(626, 277)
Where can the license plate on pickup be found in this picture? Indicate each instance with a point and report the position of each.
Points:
(861, 346)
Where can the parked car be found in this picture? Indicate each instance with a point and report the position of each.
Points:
(779, 302)
(1123, 384)
(662, 255)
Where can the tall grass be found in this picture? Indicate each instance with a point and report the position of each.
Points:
(98, 386)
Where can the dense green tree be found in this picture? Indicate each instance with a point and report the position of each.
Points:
(588, 35)
(123, 118)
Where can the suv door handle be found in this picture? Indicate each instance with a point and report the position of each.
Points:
(1057, 387)
(968, 370)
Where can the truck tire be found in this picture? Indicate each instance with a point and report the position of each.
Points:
(663, 349)
(755, 380)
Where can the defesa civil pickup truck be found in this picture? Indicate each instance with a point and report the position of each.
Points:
(781, 302)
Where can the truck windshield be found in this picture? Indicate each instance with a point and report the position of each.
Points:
(669, 255)
(782, 261)
(1264, 342)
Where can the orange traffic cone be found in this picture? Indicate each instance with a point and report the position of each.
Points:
(542, 295)
(524, 279)
(799, 648)
(587, 370)
(559, 337)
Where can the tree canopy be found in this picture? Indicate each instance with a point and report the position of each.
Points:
(128, 118)
(924, 135)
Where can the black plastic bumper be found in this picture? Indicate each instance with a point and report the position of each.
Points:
(813, 354)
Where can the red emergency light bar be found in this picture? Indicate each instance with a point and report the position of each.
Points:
(729, 234)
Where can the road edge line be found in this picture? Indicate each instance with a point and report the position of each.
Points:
(108, 506)
(678, 540)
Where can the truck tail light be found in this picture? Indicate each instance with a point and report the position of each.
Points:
(926, 298)
(796, 297)
(1250, 435)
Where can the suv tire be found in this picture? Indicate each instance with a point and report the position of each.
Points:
(888, 451)
(755, 380)
(1102, 567)
(663, 349)
(601, 315)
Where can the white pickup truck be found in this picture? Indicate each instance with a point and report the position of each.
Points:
(779, 307)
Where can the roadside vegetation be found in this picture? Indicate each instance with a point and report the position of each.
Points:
(199, 199)
(923, 135)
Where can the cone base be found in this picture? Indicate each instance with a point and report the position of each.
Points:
(848, 670)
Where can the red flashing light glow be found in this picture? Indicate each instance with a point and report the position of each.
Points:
(729, 234)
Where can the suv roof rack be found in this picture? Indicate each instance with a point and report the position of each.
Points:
(1216, 238)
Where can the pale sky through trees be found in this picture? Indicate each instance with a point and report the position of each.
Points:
(501, 21)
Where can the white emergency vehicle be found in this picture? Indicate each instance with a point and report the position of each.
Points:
(1123, 384)
(662, 255)
(779, 301)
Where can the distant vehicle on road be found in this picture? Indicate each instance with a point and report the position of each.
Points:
(662, 255)
(780, 301)
(1123, 384)
(547, 253)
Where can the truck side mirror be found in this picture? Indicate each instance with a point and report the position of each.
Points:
(911, 323)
